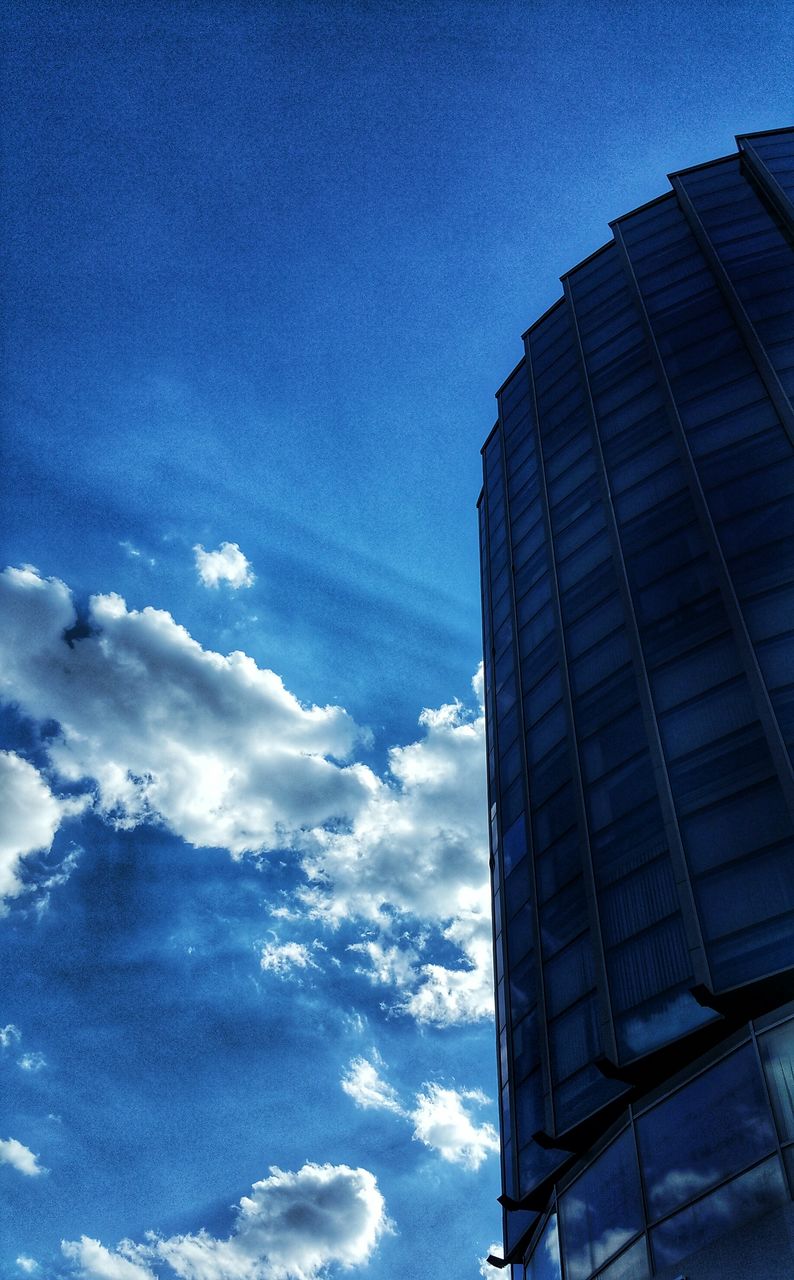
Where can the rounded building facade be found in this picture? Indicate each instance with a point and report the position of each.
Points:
(637, 546)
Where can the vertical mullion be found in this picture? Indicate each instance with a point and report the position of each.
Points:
(491, 739)
(540, 986)
(689, 914)
(606, 1023)
(744, 644)
(767, 181)
(741, 319)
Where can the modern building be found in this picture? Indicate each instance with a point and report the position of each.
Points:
(637, 541)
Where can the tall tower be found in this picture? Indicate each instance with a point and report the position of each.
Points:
(637, 544)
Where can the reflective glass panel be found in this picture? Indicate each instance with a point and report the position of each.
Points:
(714, 1126)
(545, 1261)
(727, 1209)
(777, 1055)
(602, 1210)
(631, 1265)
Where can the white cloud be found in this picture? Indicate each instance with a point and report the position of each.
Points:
(27, 1264)
(213, 746)
(486, 1269)
(227, 564)
(291, 1227)
(9, 1035)
(442, 1118)
(30, 815)
(363, 1083)
(443, 1121)
(218, 750)
(32, 1062)
(98, 1263)
(19, 1157)
(284, 958)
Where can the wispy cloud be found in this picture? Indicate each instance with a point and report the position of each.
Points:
(285, 958)
(32, 1062)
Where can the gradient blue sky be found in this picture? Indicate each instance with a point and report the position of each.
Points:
(265, 265)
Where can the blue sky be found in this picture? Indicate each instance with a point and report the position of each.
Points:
(265, 265)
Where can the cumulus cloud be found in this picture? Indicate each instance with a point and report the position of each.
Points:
(291, 1227)
(19, 1157)
(363, 1083)
(285, 957)
(442, 1117)
(98, 1263)
(443, 1121)
(30, 815)
(226, 564)
(217, 749)
(418, 847)
(9, 1035)
(27, 1264)
(213, 746)
(486, 1269)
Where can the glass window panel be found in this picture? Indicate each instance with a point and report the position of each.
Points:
(634, 839)
(526, 1055)
(522, 989)
(514, 844)
(563, 918)
(559, 866)
(683, 1151)
(720, 768)
(545, 733)
(539, 626)
(614, 695)
(545, 1261)
(554, 818)
(721, 711)
(584, 561)
(647, 964)
(518, 887)
(777, 1055)
(738, 825)
(691, 675)
(595, 624)
(593, 667)
(573, 1039)
(631, 1265)
(530, 1110)
(747, 1197)
(569, 975)
(621, 791)
(621, 738)
(601, 1212)
(520, 931)
(551, 773)
(510, 765)
(637, 901)
(658, 1020)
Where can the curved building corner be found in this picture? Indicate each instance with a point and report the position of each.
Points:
(637, 549)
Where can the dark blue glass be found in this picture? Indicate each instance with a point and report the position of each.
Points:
(601, 1211)
(711, 1128)
(725, 1210)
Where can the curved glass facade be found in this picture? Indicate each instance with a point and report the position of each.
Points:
(637, 544)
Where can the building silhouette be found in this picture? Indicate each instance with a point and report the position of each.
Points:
(637, 544)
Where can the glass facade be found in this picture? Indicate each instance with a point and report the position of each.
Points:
(637, 546)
